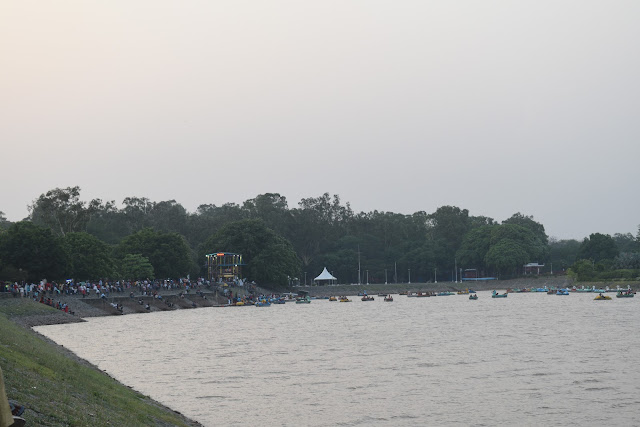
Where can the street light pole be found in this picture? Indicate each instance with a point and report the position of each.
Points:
(385, 276)
(435, 275)
(409, 276)
(305, 278)
(367, 277)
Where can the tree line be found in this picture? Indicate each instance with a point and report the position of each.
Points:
(65, 237)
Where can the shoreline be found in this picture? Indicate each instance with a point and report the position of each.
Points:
(89, 306)
(59, 388)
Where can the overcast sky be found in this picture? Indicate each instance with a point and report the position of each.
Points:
(492, 106)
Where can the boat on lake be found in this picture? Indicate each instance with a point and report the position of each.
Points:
(367, 298)
(562, 292)
(304, 300)
(388, 298)
(601, 297)
(621, 294)
(473, 296)
(332, 298)
(344, 299)
(495, 294)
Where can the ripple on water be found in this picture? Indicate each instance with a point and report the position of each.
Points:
(414, 362)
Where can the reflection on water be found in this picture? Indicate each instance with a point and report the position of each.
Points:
(529, 359)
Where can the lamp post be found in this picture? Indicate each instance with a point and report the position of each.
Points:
(409, 276)
(305, 278)
(367, 277)
(385, 276)
(435, 275)
(395, 272)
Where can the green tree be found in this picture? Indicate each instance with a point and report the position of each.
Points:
(582, 270)
(527, 222)
(208, 219)
(89, 257)
(168, 216)
(449, 225)
(168, 253)
(62, 211)
(109, 224)
(270, 258)
(35, 251)
(272, 209)
(598, 247)
(474, 247)
(563, 253)
(626, 242)
(506, 256)
(4, 224)
(136, 266)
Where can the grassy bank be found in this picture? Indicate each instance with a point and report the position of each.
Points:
(58, 388)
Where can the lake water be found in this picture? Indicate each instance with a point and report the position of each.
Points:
(529, 359)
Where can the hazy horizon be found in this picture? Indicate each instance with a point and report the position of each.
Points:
(496, 107)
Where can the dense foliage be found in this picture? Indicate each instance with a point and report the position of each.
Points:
(65, 237)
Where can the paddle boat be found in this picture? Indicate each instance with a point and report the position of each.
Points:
(344, 299)
(463, 292)
(562, 292)
(388, 298)
(263, 303)
(332, 298)
(473, 296)
(495, 294)
(626, 294)
(367, 298)
(305, 300)
(445, 294)
(601, 297)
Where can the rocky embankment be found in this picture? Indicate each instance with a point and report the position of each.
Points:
(115, 305)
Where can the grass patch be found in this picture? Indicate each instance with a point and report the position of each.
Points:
(60, 390)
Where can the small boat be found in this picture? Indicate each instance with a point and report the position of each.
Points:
(305, 300)
(473, 296)
(602, 297)
(562, 292)
(445, 294)
(332, 298)
(403, 293)
(621, 294)
(344, 299)
(263, 303)
(463, 292)
(367, 298)
(388, 298)
(495, 294)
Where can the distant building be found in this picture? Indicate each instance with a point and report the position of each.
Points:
(532, 268)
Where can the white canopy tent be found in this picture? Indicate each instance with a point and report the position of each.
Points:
(325, 275)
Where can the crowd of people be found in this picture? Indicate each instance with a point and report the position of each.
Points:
(100, 287)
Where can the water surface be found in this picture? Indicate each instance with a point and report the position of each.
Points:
(529, 359)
